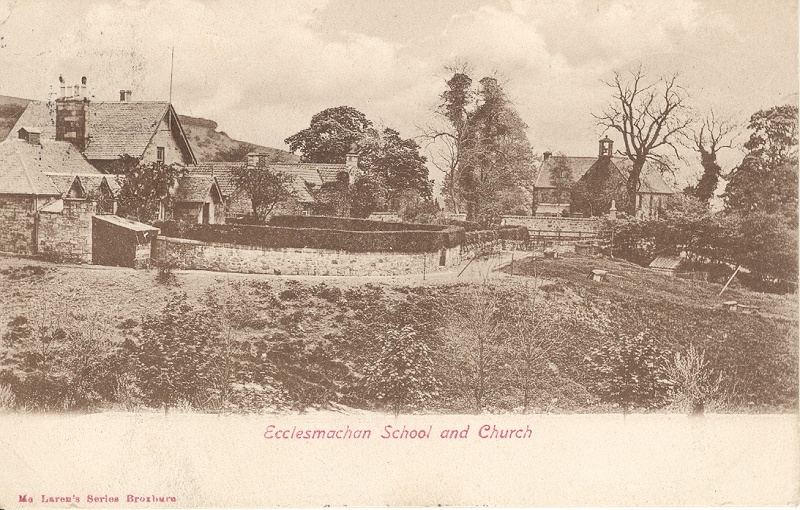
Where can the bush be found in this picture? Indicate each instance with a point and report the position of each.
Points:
(694, 384)
(629, 371)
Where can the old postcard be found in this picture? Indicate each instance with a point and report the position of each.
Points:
(359, 253)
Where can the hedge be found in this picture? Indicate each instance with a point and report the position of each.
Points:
(351, 224)
(268, 236)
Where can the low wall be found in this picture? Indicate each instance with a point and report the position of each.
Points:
(190, 254)
(551, 227)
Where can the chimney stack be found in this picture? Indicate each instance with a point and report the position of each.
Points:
(254, 159)
(71, 114)
(546, 155)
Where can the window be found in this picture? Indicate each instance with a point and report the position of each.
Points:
(160, 154)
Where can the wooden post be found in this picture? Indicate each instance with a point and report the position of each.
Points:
(729, 281)
(512, 263)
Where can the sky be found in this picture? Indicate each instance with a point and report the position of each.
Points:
(262, 69)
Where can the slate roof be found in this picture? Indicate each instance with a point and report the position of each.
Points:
(666, 262)
(304, 175)
(651, 180)
(194, 188)
(313, 173)
(88, 181)
(23, 166)
(115, 128)
(223, 171)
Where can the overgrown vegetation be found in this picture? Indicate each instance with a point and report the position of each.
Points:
(514, 344)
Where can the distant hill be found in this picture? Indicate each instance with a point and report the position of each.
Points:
(207, 143)
(10, 110)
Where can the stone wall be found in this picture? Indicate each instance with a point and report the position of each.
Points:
(17, 224)
(190, 254)
(557, 227)
(67, 233)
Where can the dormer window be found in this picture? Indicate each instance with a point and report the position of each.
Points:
(160, 154)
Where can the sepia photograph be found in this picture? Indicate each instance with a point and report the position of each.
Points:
(398, 254)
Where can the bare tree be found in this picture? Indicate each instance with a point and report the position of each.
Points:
(534, 333)
(651, 116)
(473, 334)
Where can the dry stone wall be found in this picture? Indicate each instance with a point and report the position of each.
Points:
(190, 254)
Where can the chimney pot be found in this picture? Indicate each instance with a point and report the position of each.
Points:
(546, 155)
(128, 95)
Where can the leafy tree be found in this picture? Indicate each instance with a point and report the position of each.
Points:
(401, 373)
(629, 371)
(397, 163)
(766, 180)
(393, 164)
(650, 116)
(367, 196)
(265, 187)
(498, 154)
(332, 134)
(178, 359)
(146, 188)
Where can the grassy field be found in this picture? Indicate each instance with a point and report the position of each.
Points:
(309, 342)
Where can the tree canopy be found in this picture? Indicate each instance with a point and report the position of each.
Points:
(264, 186)
(390, 165)
(485, 153)
(766, 180)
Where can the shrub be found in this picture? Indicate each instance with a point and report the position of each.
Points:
(177, 360)
(694, 384)
(629, 371)
(400, 375)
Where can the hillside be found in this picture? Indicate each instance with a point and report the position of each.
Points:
(300, 342)
(208, 143)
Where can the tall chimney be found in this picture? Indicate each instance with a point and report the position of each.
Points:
(71, 115)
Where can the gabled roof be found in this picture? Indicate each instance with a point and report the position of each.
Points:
(301, 193)
(222, 170)
(23, 166)
(195, 188)
(87, 181)
(114, 128)
(651, 180)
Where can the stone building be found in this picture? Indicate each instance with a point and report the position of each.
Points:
(601, 180)
(198, 199)
(103, 131)
(316, 188)
(44, 207)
